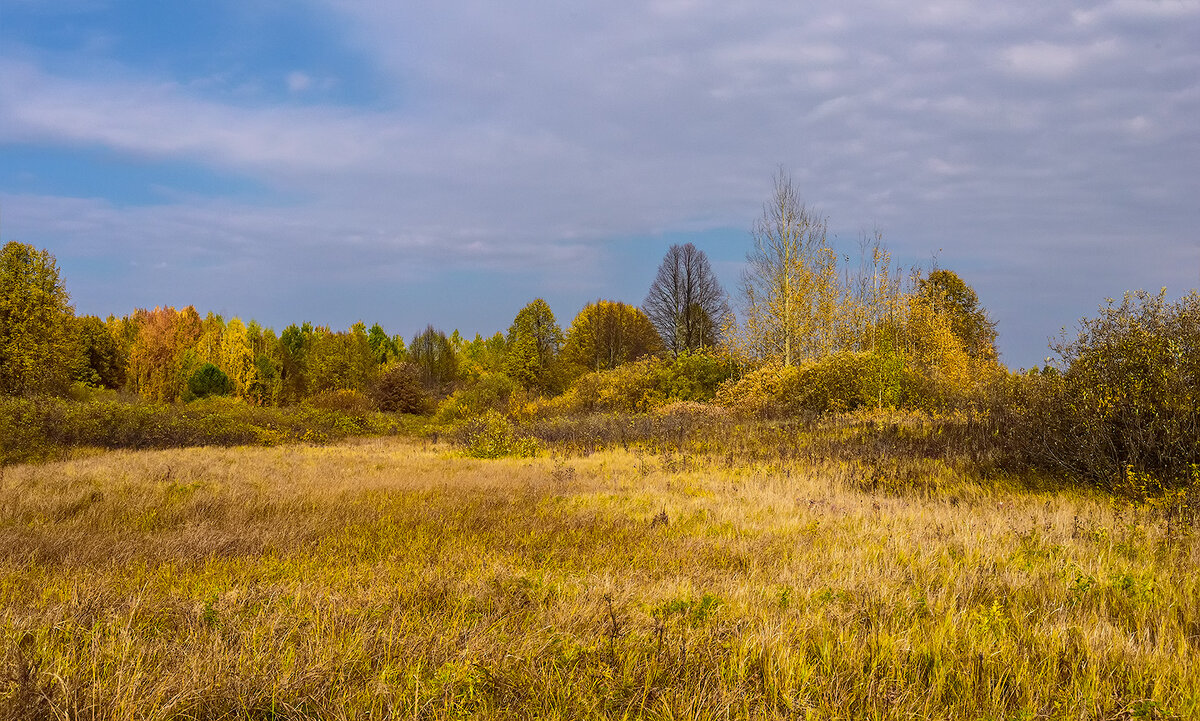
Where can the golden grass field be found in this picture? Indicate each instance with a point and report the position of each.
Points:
(395, 579)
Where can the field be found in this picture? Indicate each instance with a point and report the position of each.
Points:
(394, 578)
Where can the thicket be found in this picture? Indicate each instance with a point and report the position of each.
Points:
(45, 427)
(1120, 409)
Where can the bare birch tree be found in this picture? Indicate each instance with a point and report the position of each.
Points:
(790, 289)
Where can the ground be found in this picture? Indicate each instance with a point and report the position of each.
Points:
(395, 578)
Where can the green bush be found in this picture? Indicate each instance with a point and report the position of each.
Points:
(343, 401)
(209, 380)
(694, 376)
(491, 392)
(40, 428)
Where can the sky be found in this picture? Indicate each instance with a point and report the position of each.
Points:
(448, 161)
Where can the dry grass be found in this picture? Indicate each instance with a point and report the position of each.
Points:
(392, 579)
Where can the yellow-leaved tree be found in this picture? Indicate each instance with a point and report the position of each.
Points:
(237, 357)
(607, 334)
(790, 288)
(36, 355)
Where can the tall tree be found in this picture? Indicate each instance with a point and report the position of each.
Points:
(385, 348)
(607, 334)
(341, 361)
(946, 292)
(295, 344)
(534, 339)
(100, 361)
(686, 302)
(790, 288)
(481, 356)
(36, 355)
(433, 353)
(237, 357)
(163, 354)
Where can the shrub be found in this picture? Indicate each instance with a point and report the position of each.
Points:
(1123, 402)
(400, 389)
(492, 392)
(631, 388)
(209, 380)
(695, 376)
(343, 401)
(492, 435)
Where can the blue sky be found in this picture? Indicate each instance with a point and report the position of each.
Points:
(446, 162)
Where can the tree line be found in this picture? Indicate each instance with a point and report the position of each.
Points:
(799, 305)
(809, 331)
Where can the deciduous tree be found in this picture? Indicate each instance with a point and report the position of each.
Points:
(686, 303)
(432, 352)
(35, 353)
(607, 334)
(947, 293)
(534, 340)
(790, 287)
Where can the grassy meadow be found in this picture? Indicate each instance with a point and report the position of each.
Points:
(394, 578)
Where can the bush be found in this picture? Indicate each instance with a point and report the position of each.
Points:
(631, 388)
(343, 401)
(694, 376)
(400, 389)
(492, 392)
(209, 380)
(1122, 407)
(492, 435)
(836, 383)
(44, 427)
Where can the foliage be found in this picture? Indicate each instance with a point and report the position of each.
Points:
(492, 435)
(340, 361)
(969, 322)
(833, 384)
(695, 376)
(342, 400)
(630, 388)
(100, 358)
(491, 392)
(534, 339)
(209, 380)
(237, 357)
(162, 356)
(45, 427)
(1123, 401)
(295, 346)
(35, 318)
(686, 303)
(386, 349)
(399, 390)
(481, 357)
(789, 287)
(607, 334)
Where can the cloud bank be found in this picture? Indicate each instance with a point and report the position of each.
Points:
(1048, 153)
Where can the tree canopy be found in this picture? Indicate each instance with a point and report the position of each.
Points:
(35, 312)
(686, 303)
(607, 334)
(534, 339)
